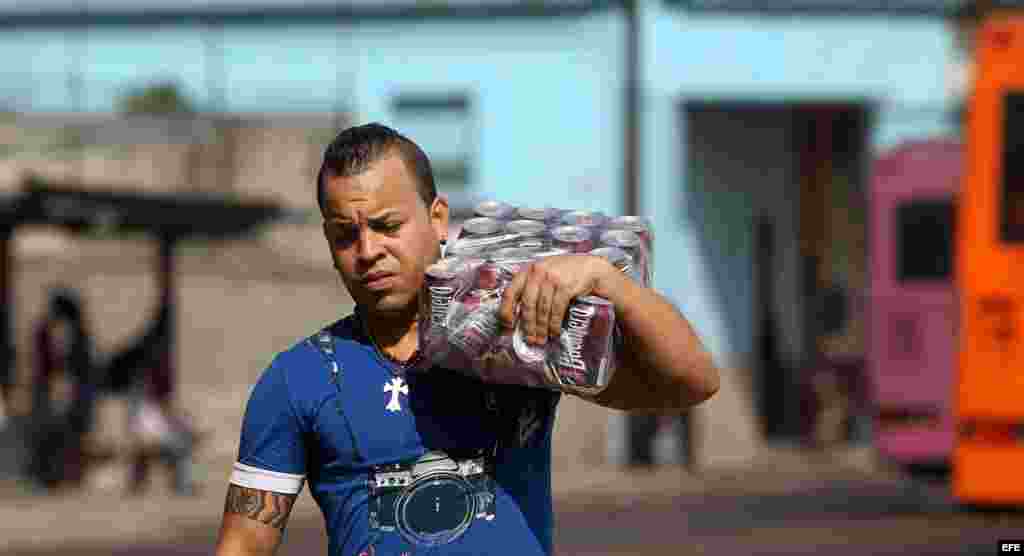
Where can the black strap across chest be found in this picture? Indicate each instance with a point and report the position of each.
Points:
(498, 412)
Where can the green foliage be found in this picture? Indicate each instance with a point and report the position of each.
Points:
(155, 99)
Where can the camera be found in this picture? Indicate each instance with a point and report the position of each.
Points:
(434, 499)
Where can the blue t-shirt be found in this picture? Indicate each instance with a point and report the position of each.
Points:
(303, 426)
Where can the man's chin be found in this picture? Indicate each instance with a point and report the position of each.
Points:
(388, 302)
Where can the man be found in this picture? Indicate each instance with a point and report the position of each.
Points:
(64, 350)
(347, 411)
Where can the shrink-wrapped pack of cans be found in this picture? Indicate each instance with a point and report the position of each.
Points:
(460, 327)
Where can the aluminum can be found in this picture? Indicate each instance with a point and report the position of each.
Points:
(584, 218)
(479, 325)
(511, 260)
(489, 276)
(533, 244)
(585, 344)
(526, 228)
(619, 258)
(635, 224)
(480, 227)
(574, 239)
(631, 243)
(444, 281)
(545, 215)
(495, 209)
(623, 239)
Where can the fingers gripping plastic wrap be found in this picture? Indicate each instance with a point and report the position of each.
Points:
(460, 327)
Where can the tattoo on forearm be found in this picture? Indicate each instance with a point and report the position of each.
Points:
(271, 508)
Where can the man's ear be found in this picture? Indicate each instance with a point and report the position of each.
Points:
(439, 217)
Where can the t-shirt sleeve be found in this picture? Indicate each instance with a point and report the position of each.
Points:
(272, 451)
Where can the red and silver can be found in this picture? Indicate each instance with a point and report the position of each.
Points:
(585, 344)
(526, 228)
(574, 239)
(443, 282)
(631, 243)
(622, 239)
(489, 276)
(636, 224)
(480, 326)
(511, 260)
(480, 227)
(495, 209)
(538, 214)
(619, 258)
(585, 218)
(533, 244)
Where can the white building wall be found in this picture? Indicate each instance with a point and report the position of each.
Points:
(546, 95)
(703, 242)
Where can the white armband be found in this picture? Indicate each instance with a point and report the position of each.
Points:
(262, 479)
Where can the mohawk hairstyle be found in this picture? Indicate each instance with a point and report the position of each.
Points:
(356, 148)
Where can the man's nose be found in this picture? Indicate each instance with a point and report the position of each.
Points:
(367, 247)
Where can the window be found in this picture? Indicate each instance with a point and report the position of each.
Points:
(1012, 209)
(919, 7)
(924, 240)
(443, 126)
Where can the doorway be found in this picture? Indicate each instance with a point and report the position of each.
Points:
(777, 192)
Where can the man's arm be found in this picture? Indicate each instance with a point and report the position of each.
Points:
(253, 521)
(662, 365)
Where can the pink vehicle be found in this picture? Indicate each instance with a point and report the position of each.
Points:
(911, 353)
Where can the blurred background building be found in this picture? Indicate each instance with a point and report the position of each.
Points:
(743, 129)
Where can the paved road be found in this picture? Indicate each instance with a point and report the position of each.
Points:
(835, 513)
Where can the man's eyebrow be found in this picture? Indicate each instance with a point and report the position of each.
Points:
(384, 215)
(378, 218)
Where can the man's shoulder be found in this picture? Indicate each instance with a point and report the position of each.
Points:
(304, 353)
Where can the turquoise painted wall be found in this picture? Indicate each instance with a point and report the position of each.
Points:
(897, 64)
(545, 94)
(546, 104)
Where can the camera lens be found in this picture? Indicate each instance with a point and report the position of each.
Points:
(436, 510)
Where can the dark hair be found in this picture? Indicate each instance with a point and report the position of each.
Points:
(66, 305)
(356, 148)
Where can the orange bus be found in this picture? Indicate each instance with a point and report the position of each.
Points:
(989, 270)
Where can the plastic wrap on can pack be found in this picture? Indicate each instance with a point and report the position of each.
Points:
(481, 227)
(620, 259)
(495, 209)
(586, 218)
(641, 226)
(547, 215)
(631, 243)
(460, 327)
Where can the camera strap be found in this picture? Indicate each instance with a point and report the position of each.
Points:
(323, 342)
(482, 483)
(501, 415)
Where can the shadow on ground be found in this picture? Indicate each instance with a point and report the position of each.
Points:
(837, 516)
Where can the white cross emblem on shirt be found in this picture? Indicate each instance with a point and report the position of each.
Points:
(396, 386)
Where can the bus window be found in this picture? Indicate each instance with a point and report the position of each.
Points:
(1013, 168)
(924, 242)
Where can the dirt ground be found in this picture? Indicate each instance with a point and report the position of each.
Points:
(100, 519)
(784, 503)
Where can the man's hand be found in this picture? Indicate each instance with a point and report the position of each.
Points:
(662, 364)
(542, 292)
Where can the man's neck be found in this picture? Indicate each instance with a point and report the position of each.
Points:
(394, 333)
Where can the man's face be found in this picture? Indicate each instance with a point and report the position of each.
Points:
(381, 236)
